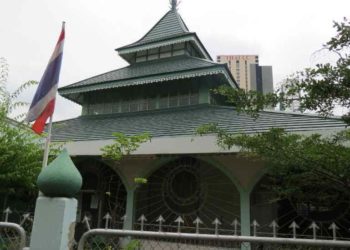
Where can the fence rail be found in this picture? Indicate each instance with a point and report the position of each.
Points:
(12, 236)
(146, 240)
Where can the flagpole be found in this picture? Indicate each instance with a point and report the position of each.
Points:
(48, 138)
(47, 144)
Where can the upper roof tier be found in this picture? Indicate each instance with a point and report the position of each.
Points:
(169, 30)
(168, 52)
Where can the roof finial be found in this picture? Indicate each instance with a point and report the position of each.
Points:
(174, 4)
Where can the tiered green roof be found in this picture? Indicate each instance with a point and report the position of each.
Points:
(170, 29)
(185, 121)
(171, 33)
(165, 91)
(170, 25)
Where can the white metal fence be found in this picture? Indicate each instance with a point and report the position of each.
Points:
(12, 236)
(132, 240)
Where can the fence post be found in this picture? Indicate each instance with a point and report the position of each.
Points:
(54, 223)
(55, 213)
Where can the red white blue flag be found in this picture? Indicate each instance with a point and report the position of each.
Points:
(43, 104)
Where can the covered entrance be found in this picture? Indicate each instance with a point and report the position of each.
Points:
(103, 192)
(189, 188)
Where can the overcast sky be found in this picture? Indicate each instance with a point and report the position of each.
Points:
(283, 33)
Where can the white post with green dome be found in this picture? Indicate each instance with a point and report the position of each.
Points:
(55, 213)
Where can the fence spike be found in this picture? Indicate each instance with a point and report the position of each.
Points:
(294, 226)
(107, 217)
(86, 221)
(274, 226)
(7, 211)
(179, 220)
(142, 219)
(216, 222)
(197, 221)
(334, 229)
(235, 225)
(160, 220)
(255, 224)
(25, 217)
(314, 228)
(123, 218)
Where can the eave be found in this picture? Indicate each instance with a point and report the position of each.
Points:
(69, 92)
(189, 37)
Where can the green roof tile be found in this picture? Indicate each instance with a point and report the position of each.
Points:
(146, 72)
(170, 29)
(170, 25)
(184, 121)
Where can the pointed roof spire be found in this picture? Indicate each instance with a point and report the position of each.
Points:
(173, 4)
(169, 30)
(171, 24)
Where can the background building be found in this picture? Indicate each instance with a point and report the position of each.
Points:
(248, 73)
(261, 78)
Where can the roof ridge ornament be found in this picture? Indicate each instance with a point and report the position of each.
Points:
(174, 4)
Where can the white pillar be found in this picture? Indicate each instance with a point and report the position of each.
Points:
(54, 223)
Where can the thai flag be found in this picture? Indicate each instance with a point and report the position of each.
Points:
(43, 104)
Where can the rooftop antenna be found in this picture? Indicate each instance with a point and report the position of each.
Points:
(174, 4)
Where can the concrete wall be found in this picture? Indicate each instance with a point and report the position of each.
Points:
(243, 171)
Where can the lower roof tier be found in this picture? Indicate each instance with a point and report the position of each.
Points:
(180, 67)
(183, 121)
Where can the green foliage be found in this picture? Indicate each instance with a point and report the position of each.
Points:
(133, 245)
(326, 85)
(307, 168)
(312, 169)
(20, 156)
(250, 102)
(123, 145)
(9, 100)
(318, 88)
(140, 180)
(21, 150)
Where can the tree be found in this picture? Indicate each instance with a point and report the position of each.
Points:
(303, 168)
(123, 145)
(20, 149)
(318, 88)
(327, 84)
(313, 168)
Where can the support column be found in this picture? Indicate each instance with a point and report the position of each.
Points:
(203, 94)
(245, 216)
(128, 221)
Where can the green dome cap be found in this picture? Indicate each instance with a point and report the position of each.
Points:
(60, 178)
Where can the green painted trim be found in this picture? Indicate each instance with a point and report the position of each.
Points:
(257, 178)
(203, 94)
(156, 44)
(109, 164)
(148, 170)
(224, 170)
(152, 167)
(245, 216)
(190, 37)
(245, 212)
(129, 213)
(118, 172)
